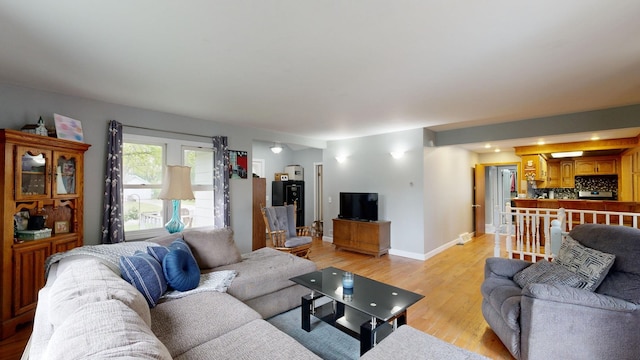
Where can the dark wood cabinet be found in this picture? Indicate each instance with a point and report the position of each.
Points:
(43, 176)
(371, 238)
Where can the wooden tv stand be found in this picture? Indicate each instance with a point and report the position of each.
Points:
(367, 237)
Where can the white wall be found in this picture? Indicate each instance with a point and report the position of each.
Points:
(20, 106)
(448, 196)
(369, 167)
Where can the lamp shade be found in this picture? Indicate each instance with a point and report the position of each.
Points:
(177, 183)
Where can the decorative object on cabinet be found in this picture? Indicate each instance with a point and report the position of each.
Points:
(61, 227)
(175, 187)
(31, 190)
(68, 128)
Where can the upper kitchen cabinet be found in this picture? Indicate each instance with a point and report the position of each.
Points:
(567, 170)
(630, 176)
(596, 166)
(535, 167)
(560, 174)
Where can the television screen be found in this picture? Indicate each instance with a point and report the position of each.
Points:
(359, 206)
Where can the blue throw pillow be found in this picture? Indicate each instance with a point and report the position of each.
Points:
(180, 267)
(158, 252)
(145, 273)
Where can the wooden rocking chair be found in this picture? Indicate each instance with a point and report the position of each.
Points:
(281, 228)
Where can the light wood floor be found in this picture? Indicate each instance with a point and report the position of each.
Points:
(450, 282)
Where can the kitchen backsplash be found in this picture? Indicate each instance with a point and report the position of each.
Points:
(584, 183)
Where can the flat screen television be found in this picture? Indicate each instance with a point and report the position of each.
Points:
(359, 206)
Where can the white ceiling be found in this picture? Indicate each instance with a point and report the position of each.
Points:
(330, 69)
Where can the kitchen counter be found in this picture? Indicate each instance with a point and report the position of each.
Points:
(602, 205)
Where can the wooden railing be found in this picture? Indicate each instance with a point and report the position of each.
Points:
(536, 233)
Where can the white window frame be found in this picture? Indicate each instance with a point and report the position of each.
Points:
(173, 155)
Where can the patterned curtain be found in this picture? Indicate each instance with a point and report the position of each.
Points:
(112, 220)
(222, 212)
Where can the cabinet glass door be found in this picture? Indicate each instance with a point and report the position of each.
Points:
(32, 178)
(66, 174)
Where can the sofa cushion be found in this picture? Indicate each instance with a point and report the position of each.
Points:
(545, 272)
(266, 342)
(145, 273)
(166, 240)
(89, 280)
(105, 329)
(264, 271)
(180, 267)
(181, 328)
(213, 247)
(589, 263)
(297, 241)
(623, 280)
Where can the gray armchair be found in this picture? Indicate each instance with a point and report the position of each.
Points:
(545, 321)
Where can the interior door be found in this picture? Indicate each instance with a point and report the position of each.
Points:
(479, 203)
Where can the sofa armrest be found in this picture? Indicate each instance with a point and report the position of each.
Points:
(579, 297)
(503, 268)
(591, 325)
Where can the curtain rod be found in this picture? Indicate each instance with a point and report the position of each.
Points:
(166, 131)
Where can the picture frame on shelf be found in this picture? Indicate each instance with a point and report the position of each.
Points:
(21, 220)
(61, 227)
(68, 128)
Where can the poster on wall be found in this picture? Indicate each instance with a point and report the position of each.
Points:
(238, 164)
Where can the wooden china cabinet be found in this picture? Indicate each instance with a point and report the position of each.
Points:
(42, 179)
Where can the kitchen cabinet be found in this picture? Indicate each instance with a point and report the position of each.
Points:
(601, 166)
(630, 176)
(567, 179)
(534, 166)
(371, 238)
(553, 174)
(42, 176)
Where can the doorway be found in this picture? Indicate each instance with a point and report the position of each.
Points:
(317, 225)
(501, 186)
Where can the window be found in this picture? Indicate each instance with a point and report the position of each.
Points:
(199, 212)
(144, 161)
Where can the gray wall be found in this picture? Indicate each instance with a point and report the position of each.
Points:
(369, 167)
(19, 106)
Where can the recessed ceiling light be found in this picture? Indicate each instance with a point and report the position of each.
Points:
(595, 137)
(487, 146)
(540, 142)
(497, 150)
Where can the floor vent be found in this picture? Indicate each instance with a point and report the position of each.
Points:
(464, 238)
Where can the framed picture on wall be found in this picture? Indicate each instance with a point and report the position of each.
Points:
(238, 164)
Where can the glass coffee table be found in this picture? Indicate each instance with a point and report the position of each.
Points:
(369, 312)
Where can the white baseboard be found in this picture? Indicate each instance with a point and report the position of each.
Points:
(411, 255)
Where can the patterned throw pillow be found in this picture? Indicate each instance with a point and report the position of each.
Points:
(589, 263)
(545, 272)
(145, 273)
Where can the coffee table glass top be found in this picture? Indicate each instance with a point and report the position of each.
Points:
(369, 296)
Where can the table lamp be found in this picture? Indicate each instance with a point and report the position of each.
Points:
(175, 187)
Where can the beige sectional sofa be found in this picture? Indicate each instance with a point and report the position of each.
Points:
(87, 310)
